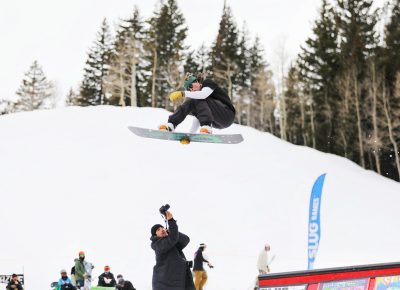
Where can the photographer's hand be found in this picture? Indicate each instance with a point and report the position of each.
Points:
(168, 215)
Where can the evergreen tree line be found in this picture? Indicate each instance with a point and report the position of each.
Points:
(341, 95)
(147, 60)
(343, 92)
(144, 60)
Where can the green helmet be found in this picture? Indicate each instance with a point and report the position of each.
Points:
(188, 82)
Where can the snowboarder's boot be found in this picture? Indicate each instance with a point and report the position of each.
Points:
(166, 127)
(206, 130)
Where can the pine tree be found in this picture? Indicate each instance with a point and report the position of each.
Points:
(358, 42)
(224, 52)
(259, 86)
(262, 90)
(125, 77)
(165, 47)
(318, 65)
(191, 65)
(392, 49)
(6, 107)
(92, 89)
(72, 98)
(34, 91)
(243, 99)
(388, 60)
(197, 61)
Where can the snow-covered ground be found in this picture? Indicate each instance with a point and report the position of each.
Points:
(77, 179)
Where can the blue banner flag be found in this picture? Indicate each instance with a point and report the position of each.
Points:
(314, 226)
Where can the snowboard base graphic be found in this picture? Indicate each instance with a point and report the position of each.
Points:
(186, 138)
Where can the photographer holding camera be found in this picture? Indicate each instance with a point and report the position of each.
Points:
(172, 271)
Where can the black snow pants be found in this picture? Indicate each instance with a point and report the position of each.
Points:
(209, 112)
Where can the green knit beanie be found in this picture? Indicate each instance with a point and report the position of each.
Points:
(188, 82)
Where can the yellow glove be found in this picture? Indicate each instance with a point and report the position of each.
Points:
(176, 96)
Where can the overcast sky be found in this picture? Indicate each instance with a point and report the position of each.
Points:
(58, 33)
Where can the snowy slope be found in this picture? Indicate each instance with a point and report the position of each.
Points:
(77, 179)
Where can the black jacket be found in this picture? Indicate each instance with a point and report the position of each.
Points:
(13, 286)
(127, 285)
(171, 271)
(218, 93)
(108, 276)
(198, 260)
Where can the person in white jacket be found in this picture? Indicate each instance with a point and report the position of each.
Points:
(263, 263)
(263, 260)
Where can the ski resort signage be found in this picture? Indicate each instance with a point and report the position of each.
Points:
(361, 277)
(7, 278)
(295, 287)
(391, 282)
(314, 225)
(356, 284)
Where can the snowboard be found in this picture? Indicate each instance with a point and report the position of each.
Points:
(186, 138)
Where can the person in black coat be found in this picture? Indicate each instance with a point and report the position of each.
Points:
(107, 278)
(124, 284)
(14, 284)
(172, 271)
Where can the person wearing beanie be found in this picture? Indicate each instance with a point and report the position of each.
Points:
(14, 284)
(80, 269)
(263, 262)
(124, 284)
(107, 278)
(200, 274)
(210, 105)
(171, 271)
(65, 283)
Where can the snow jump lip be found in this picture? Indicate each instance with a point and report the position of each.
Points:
(179, 136)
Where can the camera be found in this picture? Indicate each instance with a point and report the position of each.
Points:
(164, 208)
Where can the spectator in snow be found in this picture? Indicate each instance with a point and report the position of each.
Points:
(80, 270)
(172, 271)
(124, 284)
(107, 278)
(73, 275)
(88, 275)
(200, 274)
(263, 261)
(65, 283)
(14, 284)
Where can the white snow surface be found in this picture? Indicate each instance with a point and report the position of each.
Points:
(77, 179)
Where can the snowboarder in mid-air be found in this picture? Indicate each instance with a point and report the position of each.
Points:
(206, 101)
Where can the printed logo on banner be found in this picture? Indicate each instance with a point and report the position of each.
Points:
(387, 283)
(314, 226)
(7, 278)
(356, 284)
(296, 287)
